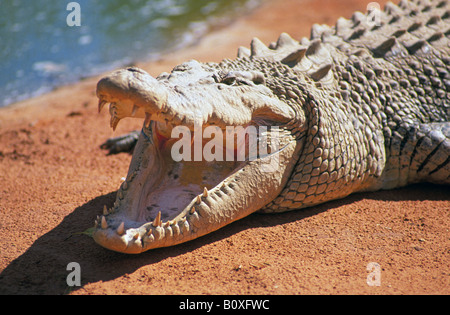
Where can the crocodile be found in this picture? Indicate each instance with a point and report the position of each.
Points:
(359, 106)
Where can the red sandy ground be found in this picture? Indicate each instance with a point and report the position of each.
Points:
(55, 181)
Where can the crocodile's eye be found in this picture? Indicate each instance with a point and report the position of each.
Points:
(229, 80)
(243, 77)
(225, 78)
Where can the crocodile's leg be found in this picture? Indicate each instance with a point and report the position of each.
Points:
(419, 153)
(123, 143)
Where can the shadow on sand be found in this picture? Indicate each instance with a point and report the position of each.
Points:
(42, 269)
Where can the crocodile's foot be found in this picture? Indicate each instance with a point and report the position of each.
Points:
(124, 143)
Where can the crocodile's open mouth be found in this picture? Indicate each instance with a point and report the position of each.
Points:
(197, 166)
(171, 196)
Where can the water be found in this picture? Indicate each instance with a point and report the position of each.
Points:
(39, 50)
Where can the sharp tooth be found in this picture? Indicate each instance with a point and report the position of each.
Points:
(121, 229)
(192, 210)
(135, 109)
(148, 119)
(169, 223)
(199, 200)
(112, 109)
(168, 231)
(185, 226)
(101, 104)
(105, 210)
(136, 236)
(205, 192)
(150, 237)
(114, 122)
(157, 221)
(159, 233)
(104, 224)
(176, 229)
(194, 218)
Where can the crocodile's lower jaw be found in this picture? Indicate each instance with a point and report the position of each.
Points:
(163, 203)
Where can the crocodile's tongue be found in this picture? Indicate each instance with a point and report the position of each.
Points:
(164, 202)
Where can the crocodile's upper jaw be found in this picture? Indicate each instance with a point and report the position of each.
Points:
(163, 202)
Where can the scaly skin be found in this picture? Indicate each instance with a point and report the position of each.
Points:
(358, 107)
